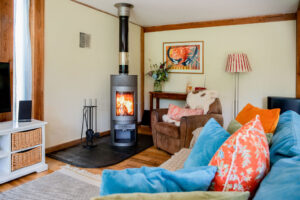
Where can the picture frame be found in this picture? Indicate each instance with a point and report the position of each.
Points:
(184, 57)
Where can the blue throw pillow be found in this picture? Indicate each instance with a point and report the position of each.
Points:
(156, 180)
(286, 139)
(282, 182)
(212, 136)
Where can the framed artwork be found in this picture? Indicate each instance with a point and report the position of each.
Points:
(184, 57)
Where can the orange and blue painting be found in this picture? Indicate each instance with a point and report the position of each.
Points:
(184, 57)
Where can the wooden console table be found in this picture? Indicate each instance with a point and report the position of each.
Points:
(165, 95)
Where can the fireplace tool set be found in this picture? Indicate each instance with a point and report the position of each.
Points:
(89, 120)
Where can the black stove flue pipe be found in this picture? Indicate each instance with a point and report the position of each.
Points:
(123, 12)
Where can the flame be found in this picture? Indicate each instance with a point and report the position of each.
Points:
(124, 104)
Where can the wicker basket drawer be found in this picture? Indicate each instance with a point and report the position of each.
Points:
(26, 158)
(26, 139)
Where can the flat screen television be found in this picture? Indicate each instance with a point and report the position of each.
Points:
(5, 103)
(284, 103)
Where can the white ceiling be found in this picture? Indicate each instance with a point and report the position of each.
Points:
(162, 12)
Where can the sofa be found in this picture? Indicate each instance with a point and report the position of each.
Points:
(282, 181)
(171, 138)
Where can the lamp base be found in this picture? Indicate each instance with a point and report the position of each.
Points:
(236, 94)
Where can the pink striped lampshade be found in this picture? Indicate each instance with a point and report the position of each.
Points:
(238, 62)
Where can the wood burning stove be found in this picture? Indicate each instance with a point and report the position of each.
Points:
(123, 90)
(124, 109)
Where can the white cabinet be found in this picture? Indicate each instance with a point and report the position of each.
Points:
(7, 152)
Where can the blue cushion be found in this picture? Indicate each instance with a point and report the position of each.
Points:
(286, 139)
(282, 182)
(212, 136)
(156, 180)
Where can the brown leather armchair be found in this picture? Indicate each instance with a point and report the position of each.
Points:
(171, 138)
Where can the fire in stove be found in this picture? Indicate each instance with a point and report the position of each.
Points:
(124, 104)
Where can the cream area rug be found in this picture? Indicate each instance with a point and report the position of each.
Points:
(68, 183)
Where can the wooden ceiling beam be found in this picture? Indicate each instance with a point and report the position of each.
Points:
(225, 22)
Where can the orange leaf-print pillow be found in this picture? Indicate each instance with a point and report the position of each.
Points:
(242, 160)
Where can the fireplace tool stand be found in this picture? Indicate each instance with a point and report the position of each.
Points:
(89, 119)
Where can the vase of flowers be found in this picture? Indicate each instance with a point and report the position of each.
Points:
(157, 86)
(160, 74)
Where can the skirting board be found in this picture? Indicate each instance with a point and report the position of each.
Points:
(70, 144)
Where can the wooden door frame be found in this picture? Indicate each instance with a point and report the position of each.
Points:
(6, 46)
(37, 26)
(142, 107)
(298, 54)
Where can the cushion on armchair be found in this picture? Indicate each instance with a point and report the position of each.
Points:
(176, 112)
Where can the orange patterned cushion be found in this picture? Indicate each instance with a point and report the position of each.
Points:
(242, 160)
(176, 112)
(269, 118)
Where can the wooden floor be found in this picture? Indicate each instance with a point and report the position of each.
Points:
(151, 157)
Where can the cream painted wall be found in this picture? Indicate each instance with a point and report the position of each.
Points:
(271, 49)
(73, 73)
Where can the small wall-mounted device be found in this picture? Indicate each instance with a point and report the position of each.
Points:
(84, 40)
(25, 108)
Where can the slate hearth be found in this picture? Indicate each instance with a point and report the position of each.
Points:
(104, 154)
